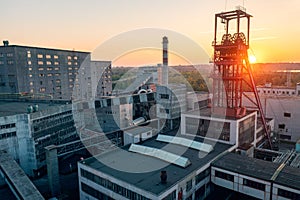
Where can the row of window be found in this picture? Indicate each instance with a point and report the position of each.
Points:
(277, 92)
(7, 55)
(112, 186)
(50, 123)
(8, 135)
(94, 193)
(5, 126)
(9, 62)
(246, 182)
(44, 75)
(288, 194)
(48, 56)
(52, 116)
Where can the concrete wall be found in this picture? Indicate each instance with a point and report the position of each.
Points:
(275, 106)
(171, 101)
(27, 146)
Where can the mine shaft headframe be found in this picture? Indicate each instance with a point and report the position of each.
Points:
(229, 17)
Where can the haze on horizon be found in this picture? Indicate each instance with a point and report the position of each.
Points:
(84, 25)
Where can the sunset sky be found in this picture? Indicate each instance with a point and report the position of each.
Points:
(85, 25)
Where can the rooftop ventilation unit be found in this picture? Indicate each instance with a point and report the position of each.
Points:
(185, 142)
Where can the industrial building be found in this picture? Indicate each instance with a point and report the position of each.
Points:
(51, 72)
(141, 176)
(25, 132)
(171, 102)
(119, 112)
(282, 105)
(213, 148)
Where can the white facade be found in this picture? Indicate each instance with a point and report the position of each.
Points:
(285, 110)
(254, 187)
(194, 182)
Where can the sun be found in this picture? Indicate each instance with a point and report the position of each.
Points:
(252, 59)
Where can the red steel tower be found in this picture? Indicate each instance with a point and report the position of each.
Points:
(232, 71)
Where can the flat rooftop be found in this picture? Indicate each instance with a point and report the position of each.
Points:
(245, 165)
(144, 171)
(44, 48)
(8, 108)
(138, 130)
(289, 177)
(260, 169)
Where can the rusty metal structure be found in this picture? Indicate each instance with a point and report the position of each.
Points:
(232, 71)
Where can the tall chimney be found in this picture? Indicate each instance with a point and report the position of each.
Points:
(165, 71)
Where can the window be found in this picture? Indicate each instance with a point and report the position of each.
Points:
(8, 135)
(40, 56)
(281, 126)
(48, 56)
(57, 74)
(57, 87)
(56, 63)
(162, 110)
(75, 57)
(288, 194)
(70, 73)
(49, 68)
(6, 126)
(69, 63)
(9, 54)
(254, 184)
(41, 82)
(30, 68)
(41, 75)
(55, 56)
(31, 83)
(224, 176)
(41, 69)
(202, 175)
(164, 96)
(49, 75)
(1, 62)
(10, 62)
(57, 81)
(48, 63)
(30, 75)
(42, 89)
(286, 114)
(29, 62)
(189, 185)
(56, 68)
(40, 62)
(69, 57)
(71, 80)
(69, 68)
